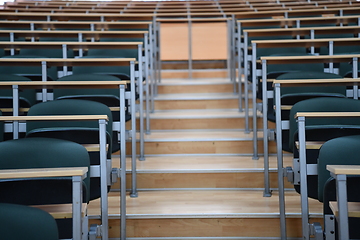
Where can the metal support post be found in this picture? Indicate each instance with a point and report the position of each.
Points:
(280, 166)
(303, 180)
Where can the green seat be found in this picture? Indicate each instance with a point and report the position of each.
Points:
(339, 151)
(82, 132)
(26, 153)
(322, 129)
(292, 95)
(20, 222)
(109, 97)
(27, 97)
(34, 73)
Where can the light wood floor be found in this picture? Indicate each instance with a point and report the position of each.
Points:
(202, 203)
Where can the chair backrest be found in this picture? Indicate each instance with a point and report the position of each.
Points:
(289, 94)
(292, 95)
(27, 97)
(322, 129)
(25, 153)
(82, 132)
(34, 73)
(110, 70)
(22, 222)
(109, 97)
(324, 104)
(337, 151)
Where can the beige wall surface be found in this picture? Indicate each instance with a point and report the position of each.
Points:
(209, 41)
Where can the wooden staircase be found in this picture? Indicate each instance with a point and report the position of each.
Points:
(199, 180)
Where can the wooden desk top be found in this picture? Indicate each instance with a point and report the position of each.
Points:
(308, 59)
(353, 209)
(55, 118)
(42, 172)
(67, 61)
(312, 82)
(292, 21)
(326, 114)
(75, 24)
(18, 44)
(251, 32)
(344, 169)
(62, 84)
(317, 42)
(74, 34)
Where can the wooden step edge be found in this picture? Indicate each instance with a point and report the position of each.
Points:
(197, 139)
(194, 97)
(207, 215)
(195, 171)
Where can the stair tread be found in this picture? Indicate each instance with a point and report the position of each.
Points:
(199, 113)
(202, 135)
(193, 81)
(195, 96)
(205, 204)
(203, 164)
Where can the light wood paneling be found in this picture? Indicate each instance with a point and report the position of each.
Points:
(174, 41)
(209, 41)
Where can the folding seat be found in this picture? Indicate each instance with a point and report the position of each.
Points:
(109, 97)
(27, 97)
(338, 151)
(292, 95)
(321, 130)
(20, 222)
(34, 73)
(317, 131)
(37, 153)
(136, 91)
(82, 132)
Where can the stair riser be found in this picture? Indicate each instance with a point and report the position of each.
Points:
(173, 89)
(201, 180)
(205, 123)
(206, 227)
(196, 104)
(202, 123)
(194, 74)
(201, 147)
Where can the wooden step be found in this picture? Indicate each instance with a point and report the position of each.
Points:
(201, 73)
(200, 172)
(200, 119)
(196, 101)
(197, 119)
(184, 142)
(189, 214)
(208, 85)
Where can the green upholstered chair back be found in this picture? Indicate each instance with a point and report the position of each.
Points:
(34, 73)
(289, 92)
(109, 97)
(83, 132)
(326, 104)
(27, 97)
(337, 151)
(20, 222)
(68, 107)
(111, 70)
(26, 153)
